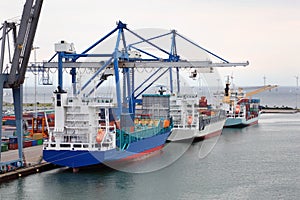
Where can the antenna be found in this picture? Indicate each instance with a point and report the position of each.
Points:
(232, 85)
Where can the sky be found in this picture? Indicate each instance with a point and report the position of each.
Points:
(263, 32)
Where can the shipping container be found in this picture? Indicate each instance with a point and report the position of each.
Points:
(40, 142)
(13, 146)
(27, 143)
(33, 142)
(13, 140)
(4, 147)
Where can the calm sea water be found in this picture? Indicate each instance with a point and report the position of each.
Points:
(258, 162)
(280, 97)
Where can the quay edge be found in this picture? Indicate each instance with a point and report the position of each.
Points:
(282, 111)
(21, 172)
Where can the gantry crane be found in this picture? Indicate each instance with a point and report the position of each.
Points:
(126, 58)
(13, 77)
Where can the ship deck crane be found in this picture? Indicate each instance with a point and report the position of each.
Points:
(259, 90)
(14, 77)
(230, 95)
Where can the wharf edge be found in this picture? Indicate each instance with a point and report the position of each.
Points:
(21, 172)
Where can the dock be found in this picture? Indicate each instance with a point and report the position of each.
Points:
(287, 111)
(32, 155)
(34, 163)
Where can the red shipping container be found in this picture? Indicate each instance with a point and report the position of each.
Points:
(13, 146)
(27, 143)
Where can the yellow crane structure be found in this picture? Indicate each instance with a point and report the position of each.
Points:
(230, 96)
(259, 90)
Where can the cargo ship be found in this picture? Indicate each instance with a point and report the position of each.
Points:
(241, 111)
(88, 133)
(194, 119)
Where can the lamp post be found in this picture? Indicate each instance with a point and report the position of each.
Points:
(25, 93)
(297, 88)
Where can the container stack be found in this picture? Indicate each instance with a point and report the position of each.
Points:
(38, 137)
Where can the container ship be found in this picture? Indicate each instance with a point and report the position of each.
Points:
(241, 109)
(242, 112)
(87, 133)
(194, 119)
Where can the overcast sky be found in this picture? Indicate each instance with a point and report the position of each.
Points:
(264, 32)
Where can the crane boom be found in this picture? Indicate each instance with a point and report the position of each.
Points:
(29, 21)
(259, 90)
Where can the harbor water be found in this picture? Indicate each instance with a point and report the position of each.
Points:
(258, 162)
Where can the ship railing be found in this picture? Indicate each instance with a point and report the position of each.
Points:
(185, 123)
(77, 146)
(77, 141)
(67, 136)
(67, 146)
(90, 101)
(125, 137)
(98, 101)
(233, 115)
(75, 138)
(180, 126)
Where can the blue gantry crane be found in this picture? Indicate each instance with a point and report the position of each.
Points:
(125, 57)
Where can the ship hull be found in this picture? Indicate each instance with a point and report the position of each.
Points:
(211, 130)
(240, 122)
(85, 158)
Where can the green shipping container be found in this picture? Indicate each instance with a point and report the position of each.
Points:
(40, 142)
(4, 147)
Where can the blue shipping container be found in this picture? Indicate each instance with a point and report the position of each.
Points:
(34, 142)
(13, 140)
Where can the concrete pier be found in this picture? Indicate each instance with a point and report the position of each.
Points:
(33, 155)
(288, 111)
(34, 163)
(18, 173)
